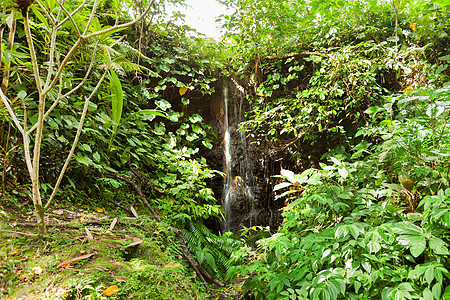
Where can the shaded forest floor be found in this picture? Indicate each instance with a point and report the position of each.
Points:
(93, 254)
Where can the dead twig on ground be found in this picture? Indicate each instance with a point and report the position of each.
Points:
(18, 233)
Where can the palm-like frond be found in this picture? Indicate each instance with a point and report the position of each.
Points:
(212, 251)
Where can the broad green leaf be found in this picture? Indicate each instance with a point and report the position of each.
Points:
(314, 179)
(373, 246)
(195, 118)
(439, 246)
(116, 103)
(152, 112)
(22, 94)
(96, 157)
(207, 144)
(163, 104)
(373, 110)
(341, 231)
(437, 290)
(435, 111)
(416, 243)
(446, 294)
(427, 294)
(326, 253)
(407, 228)
(429, 275)
(287, 173)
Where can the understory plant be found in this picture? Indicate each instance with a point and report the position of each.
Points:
(373, 222)
(49, 78)
(211, 251)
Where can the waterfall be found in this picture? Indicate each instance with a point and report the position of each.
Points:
(228, 182)
(239, 199)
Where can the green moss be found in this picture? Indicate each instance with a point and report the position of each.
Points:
(139, 271)
(146, 281)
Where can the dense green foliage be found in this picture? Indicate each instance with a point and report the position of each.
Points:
(356, 95)
(365, 86)
(352, 228)
(211, 251)
(322, 65)
(120, 124)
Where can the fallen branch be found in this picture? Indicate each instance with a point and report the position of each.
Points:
(18, 232)
(70, 261)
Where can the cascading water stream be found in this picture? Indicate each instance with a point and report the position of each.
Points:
(240, 184)
(228, 181)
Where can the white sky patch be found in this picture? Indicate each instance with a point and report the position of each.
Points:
(202, 14)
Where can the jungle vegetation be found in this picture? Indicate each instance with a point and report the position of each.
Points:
(356, 94)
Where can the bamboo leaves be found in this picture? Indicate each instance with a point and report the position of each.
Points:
(116, 99)
(116, 94)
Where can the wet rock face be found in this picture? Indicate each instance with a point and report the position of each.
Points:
(245, 193)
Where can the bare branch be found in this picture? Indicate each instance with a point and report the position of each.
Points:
(2, 28)
(9, 46)
(85, 37)
(91, 17)
(52, 56)
(11, 113)
(63, 64)
(106, 30)
(75, 141)
(88, 73)
(34, 63)
(21, 129)
(47, 13)
(26, 141)
(70, 17)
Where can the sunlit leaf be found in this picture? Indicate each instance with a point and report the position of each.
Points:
(182, 90)
(172, 265)
(10, 19)
(335, 161)
(281, 185)
(416, 243)
(111, 290)
(116, 98)
(36, 270)
(343, 172)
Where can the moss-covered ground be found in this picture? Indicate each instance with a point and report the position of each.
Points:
(91, 255)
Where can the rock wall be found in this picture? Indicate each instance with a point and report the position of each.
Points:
(247, 188)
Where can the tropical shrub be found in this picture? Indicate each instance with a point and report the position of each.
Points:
(372, 225)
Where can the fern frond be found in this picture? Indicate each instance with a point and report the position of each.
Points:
(211, 251)
(191, 241)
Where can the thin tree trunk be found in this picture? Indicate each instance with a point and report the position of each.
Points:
(34, 172)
